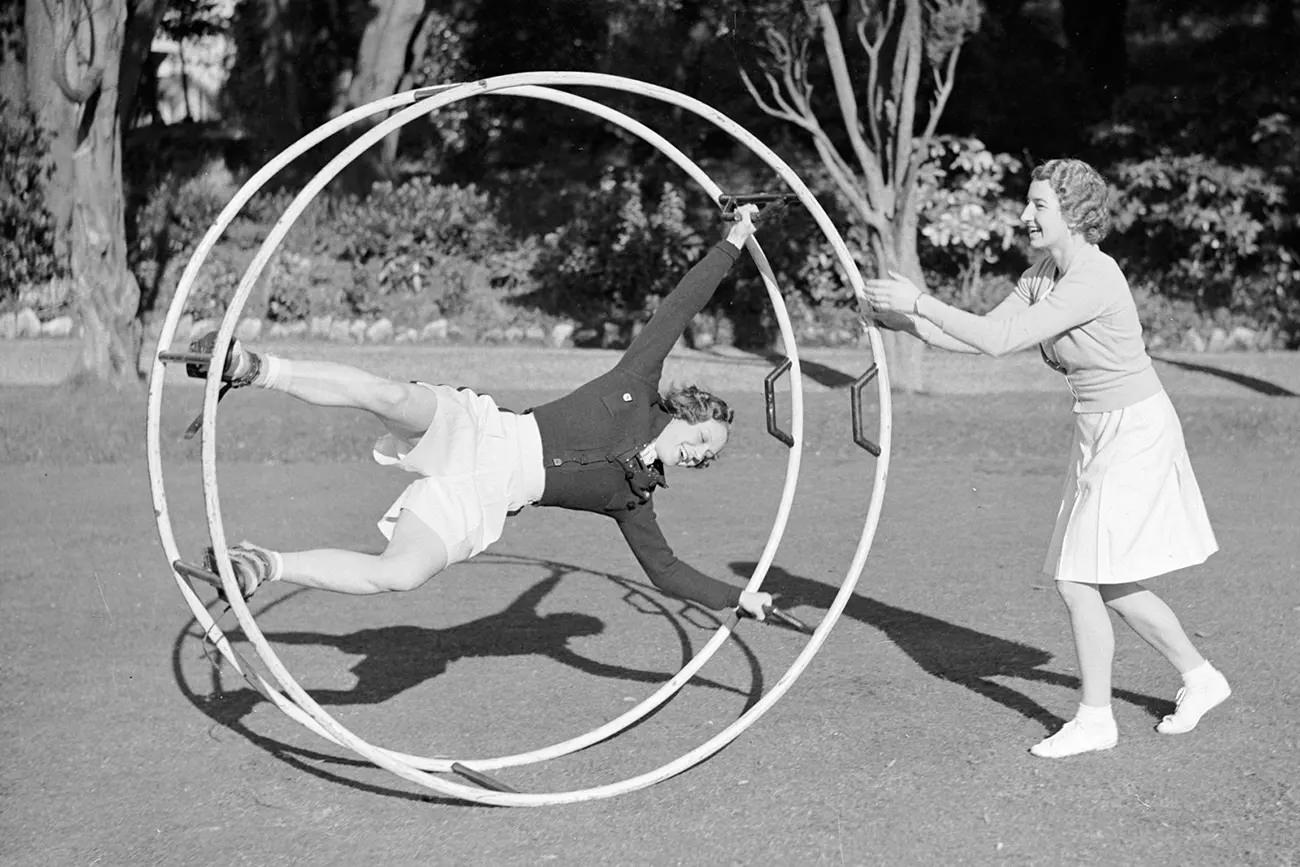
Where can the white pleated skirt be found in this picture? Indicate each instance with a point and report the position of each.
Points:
(476, 463)
(1130, 506)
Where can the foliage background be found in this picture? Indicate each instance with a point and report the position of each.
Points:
(517, 213)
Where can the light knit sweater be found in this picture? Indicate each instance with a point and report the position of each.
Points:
(1084, 321)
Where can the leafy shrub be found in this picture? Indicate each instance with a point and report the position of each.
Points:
(623, 250)
(967, 220)
(1165, 320)
(174, 216)
(28, 255)
(1214, 235)
(410, 252)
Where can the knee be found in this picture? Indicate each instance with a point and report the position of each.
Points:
(400, 573)
(1078, 596)
(390, 398)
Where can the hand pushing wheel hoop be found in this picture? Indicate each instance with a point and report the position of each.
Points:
(290, 696)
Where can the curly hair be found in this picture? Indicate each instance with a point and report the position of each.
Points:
(1083, 194)
(692, 404)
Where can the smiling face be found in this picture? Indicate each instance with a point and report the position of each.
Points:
(687, 444)
(1043, 218)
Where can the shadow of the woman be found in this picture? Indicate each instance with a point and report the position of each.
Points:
(397, 658)
(949, 651)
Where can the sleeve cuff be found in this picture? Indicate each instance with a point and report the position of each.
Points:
(931, 308)
(730, 249)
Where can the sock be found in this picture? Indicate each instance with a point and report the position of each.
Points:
(274, 372)
(1094, 716)
(277, 565)
(1199, 673)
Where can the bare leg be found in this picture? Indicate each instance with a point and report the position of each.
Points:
(1204, 686)
(1153, 620)
(406, 408)
(414, 555)
(1093, 725)
(1094, 639)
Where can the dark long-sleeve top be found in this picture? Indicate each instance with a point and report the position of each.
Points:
(618, 413)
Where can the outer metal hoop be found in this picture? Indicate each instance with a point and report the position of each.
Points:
(674, 684)
(308, 710)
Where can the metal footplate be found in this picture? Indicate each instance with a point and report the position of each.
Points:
(194, 358)
(197, 573)
(480, 779)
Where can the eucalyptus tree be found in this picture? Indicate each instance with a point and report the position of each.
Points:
(866, 82)
(82, 62)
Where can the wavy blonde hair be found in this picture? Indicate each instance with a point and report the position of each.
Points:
(1083, 194)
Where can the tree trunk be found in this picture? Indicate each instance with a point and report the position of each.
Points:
(279, 49)
(141, 26)
(904, 354)
(56, 115)
(381, 61)
(13, 55)
(74, 64)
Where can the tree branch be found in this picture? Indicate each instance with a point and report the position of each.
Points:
(907, 79)
(92, 77)
(848, 106)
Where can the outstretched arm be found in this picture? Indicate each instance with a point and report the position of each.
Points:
(1013, 325)
(641, 530)
(932, 335)
(693, 291)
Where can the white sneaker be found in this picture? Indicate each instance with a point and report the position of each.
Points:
(1074, 738)
(1193, 702)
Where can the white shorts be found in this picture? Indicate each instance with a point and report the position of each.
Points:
(477, 464)
(1130, 507)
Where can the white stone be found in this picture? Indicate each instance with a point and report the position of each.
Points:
(59, 326)
(321, 326)
(339, 331)
(562, 333)
(380, 331)
(1194, 341)
(27, 324)
(357, 330)
(610, 335)
(1243, 338)
(435, 330)
(8, 325)
(1218, 340)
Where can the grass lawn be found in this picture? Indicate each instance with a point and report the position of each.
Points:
(903, 743)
